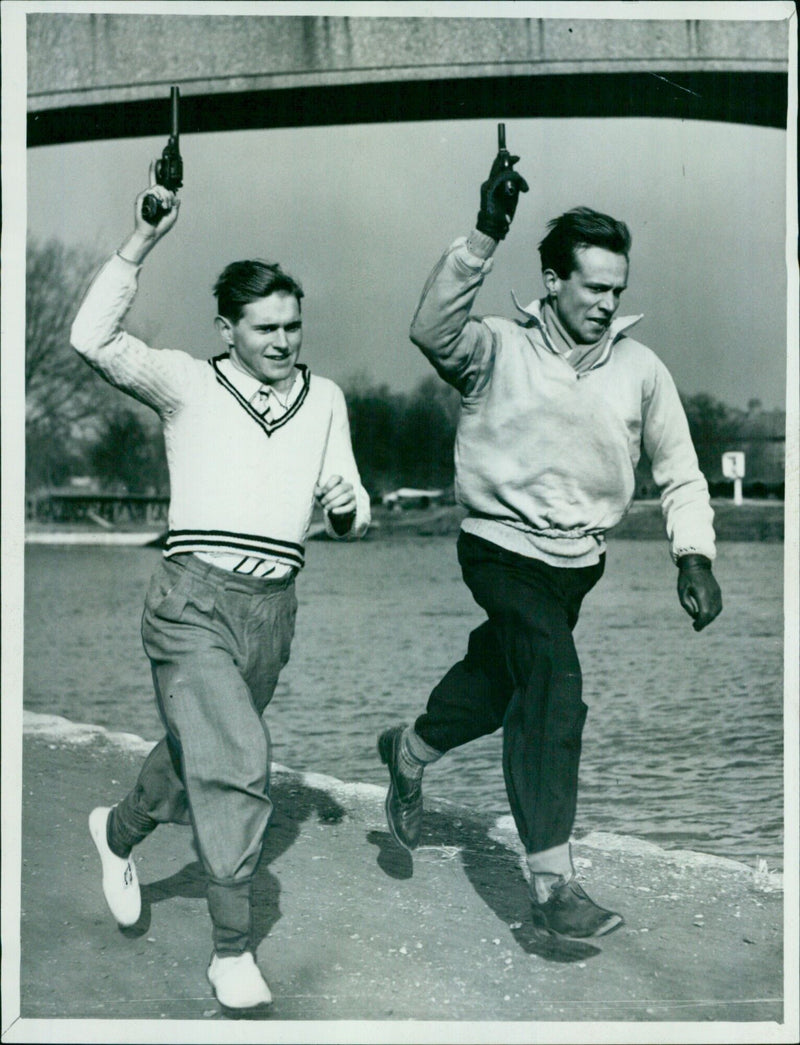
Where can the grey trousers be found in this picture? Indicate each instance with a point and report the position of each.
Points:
(217, 642)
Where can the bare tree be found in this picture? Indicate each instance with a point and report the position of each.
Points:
(74, 421)
(129, 452)
(60, 389)
(403, 438)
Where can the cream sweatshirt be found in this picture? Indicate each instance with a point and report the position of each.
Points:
(545, 455)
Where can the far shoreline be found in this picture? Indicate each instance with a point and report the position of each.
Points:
(753, 520)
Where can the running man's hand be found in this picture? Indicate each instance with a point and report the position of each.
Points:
(145, 236)
(169, 202)
(338, 499)
(698, 590)
(499, 197)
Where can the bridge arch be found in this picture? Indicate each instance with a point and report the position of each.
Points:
(260, 71)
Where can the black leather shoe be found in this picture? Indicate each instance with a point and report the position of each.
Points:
(568, 911)
(404, 797)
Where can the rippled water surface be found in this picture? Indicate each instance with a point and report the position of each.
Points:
(683, 741)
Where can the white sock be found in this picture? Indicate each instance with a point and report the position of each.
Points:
(544, 884)
(548, 866)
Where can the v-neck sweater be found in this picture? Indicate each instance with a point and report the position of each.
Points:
(238, 484)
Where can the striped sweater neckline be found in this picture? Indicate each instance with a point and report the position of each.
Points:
(267, 426)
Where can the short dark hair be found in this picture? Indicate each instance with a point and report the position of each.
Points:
(581, 227)
(244, 281)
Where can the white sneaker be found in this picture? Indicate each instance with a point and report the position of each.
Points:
(120, 883)
(237, 982)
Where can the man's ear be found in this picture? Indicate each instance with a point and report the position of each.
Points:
(552, 283)
(225, 328)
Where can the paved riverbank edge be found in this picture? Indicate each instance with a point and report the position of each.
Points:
(350, 928)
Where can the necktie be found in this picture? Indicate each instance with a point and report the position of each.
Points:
(262, 403)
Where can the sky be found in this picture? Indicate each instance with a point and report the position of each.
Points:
(361, 213)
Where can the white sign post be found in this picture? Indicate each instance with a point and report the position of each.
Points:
(733, 468)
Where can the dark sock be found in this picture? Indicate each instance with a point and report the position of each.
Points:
(117, 847)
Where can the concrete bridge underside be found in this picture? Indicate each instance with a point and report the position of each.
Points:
(96, 76)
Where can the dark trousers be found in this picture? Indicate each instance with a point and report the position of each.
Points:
(521, 672)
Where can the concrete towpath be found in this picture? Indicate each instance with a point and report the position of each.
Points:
(351, 928)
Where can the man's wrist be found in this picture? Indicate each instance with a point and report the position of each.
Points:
(480, 244)
(694, 561)
(136, 248)
(342, 522)
(121, 254)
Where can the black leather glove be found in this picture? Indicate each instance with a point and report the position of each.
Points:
(698, 590)
(499, 197)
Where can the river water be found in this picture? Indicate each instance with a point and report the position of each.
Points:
(683, 743)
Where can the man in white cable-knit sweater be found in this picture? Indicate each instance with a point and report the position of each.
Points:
(252, 441)
(555, 411)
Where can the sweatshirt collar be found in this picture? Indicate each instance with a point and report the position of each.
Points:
(616, 327)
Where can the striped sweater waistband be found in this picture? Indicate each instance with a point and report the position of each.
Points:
(179, 542)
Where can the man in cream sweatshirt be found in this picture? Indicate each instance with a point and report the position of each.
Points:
(252, 440)
(555, 410)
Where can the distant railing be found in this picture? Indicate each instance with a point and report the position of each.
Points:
(98, 508)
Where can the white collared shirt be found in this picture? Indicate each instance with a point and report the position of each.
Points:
(261, 396)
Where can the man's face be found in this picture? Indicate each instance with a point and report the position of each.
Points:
(586, 301)
(266, 339)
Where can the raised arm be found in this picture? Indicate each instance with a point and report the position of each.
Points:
(458, 346)
(154, 377)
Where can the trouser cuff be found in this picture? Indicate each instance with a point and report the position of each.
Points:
(230, 910)
(126, 828)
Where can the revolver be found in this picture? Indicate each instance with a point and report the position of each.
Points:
(169, 169)
(504, 159)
